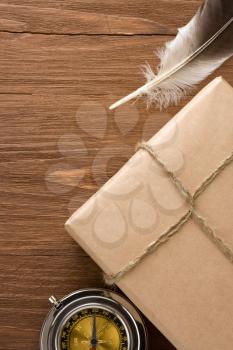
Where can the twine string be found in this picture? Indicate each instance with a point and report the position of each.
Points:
(175, 228)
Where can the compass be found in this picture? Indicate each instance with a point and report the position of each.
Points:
(93, 319)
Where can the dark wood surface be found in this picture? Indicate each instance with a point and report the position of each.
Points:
(61, 64)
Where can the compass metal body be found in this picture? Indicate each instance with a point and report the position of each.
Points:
(93, 319)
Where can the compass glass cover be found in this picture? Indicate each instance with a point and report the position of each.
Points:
(94, 329)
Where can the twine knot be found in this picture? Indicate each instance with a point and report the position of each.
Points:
(191, 213)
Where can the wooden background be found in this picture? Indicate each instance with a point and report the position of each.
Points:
(60, 59)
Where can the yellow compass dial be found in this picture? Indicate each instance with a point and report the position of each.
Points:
(94, 329)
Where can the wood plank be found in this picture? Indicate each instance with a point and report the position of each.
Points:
(39, 64)
(44, 104)
(33, 139)
(58, 145)
(84, 66)
(92, 17)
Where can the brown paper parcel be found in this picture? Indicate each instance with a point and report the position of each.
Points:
(185, 285)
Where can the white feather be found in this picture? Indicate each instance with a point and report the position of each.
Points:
(199, 48)
(174, 88)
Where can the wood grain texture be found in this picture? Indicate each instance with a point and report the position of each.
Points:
(58, 141)
(95, 17)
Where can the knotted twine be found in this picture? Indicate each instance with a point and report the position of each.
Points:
(191, 213)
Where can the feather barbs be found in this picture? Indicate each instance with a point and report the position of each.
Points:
(199, 48)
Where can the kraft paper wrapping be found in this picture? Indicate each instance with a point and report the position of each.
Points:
(185, 287)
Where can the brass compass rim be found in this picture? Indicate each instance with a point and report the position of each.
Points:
(88, 298)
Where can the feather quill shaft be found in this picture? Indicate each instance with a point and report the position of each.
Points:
(198, 49)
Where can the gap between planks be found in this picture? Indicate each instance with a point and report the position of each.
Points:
(88, 34)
